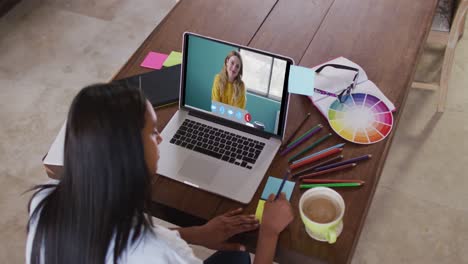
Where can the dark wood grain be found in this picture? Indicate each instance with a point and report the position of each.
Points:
(385, 37)
(291, 26)
(234, 21)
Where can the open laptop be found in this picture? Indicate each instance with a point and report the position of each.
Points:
(215, 146)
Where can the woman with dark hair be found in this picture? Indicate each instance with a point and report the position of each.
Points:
(96, 212)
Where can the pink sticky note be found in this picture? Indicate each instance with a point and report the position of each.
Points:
(154, 60)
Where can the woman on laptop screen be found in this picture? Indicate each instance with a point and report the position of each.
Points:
(228, 87)
(97, 212)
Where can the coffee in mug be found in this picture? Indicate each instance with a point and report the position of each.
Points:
(322, 210)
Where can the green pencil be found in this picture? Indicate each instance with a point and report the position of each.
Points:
(341, 184)
(303, 135)
(320, 140)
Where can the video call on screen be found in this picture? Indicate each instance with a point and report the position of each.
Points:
(234, 83)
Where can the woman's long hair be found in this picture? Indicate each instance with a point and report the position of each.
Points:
(105, 186)
(237, 84)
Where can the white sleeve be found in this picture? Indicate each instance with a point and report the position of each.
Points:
(164, 246)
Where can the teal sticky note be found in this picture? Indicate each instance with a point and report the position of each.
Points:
(273, 185)
(301, 80)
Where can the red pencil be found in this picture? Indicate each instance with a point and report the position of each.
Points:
(330, 181)
(342, 167)
(315, 158)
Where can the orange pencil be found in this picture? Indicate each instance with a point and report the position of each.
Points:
(328, 171)
(330, 181)
(315, 158)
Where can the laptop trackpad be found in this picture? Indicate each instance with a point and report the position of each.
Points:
(198, 170)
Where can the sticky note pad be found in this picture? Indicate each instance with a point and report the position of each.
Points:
(259, 211)
(301, 80)
(272, 186)
(154, 60)
(173, 59)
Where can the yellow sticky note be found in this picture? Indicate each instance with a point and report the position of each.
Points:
(259, 212)
(173, 59)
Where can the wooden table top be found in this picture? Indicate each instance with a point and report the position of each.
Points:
(385, 37)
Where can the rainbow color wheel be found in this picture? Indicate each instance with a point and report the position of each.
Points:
(362, 118)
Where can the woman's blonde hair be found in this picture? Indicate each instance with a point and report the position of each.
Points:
(237, 84)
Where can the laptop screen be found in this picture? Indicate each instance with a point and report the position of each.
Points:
(235, 83)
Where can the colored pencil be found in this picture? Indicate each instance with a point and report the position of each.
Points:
(319, 152)
(327, 171)
(338, 184)
(330, 181)
(325, 162)
(303, 135)
(295, 131)
(316, 143)
(303, 139)
(286, 175)
(315, 158)
(353, 160)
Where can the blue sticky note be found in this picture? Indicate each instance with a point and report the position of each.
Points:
(273, 185)
(301, 80)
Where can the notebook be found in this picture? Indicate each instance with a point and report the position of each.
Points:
(335, 80)
(161, 87)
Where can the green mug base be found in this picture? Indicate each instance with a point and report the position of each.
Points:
(339, 228)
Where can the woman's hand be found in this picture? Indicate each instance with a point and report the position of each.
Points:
(277, 214)
(215, 233)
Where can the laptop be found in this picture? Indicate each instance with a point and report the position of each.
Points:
(225, 144)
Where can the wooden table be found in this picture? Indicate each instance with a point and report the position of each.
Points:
(385, 37)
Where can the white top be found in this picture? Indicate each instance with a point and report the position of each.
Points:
(165, 246)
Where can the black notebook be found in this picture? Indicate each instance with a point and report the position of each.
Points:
(161, 87)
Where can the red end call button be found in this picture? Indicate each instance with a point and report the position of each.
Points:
(247, 117)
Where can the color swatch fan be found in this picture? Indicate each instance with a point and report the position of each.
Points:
(362, 118)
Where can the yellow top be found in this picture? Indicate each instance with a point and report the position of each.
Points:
(228, 95)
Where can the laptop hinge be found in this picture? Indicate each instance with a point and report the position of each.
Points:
(234, 125)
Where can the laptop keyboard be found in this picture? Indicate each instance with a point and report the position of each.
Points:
(218, 143)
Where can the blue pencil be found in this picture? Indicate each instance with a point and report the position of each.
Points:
(318, 153)
(344, 162)
(286, 175)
